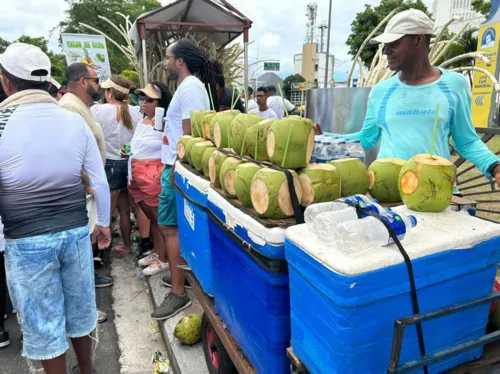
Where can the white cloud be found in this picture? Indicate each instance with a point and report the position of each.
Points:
(279, 26)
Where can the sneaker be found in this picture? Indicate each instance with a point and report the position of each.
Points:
(155, 268)
(171, 305)
(167, 281)
(101, 316)
(102, 282)
(4, 339)
(148, 260)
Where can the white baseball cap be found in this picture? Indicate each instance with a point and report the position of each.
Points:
(21, 60)
(408, 22)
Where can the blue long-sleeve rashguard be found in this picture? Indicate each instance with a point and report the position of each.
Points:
(402, 117)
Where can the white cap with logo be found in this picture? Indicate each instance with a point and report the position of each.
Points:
(22, 60)
(408, 22)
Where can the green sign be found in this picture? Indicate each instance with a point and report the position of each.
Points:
(274, 66)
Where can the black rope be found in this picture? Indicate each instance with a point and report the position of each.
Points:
(409, 268)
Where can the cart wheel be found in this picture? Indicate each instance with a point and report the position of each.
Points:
(218, 360)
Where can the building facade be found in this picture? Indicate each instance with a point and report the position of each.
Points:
(311, 64)
(444, 10)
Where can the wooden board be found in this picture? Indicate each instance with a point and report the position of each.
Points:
(239, 360)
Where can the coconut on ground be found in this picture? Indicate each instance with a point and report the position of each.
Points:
(226, 176)
(270, 194)
(426, 183)
(258, 134)
(320, 183)
(291, 140)
(197, 152)
(220, 127)
(205, 160)
(181, 147)
(207, 119)
(242, 180)
(238, 130)
(354, 176)
(383, 175)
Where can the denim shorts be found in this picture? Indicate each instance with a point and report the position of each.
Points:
(117, 173)
(167, 208)
(51, 281)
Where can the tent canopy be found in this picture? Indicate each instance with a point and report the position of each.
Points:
(217, 19)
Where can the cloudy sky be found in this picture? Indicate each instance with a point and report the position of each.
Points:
(279, 26)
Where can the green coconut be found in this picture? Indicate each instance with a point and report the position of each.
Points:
(258, 133)
(207, 119)
(214, 164)
(197, 152)
(292, 136)
(189, 147)
(205, 160)
(188, 329)
(220, 127)
(242, 180)
(270, 194)
(320, 183)
(239, 127)
(426, 183)
(197, 122)
(383, 175)
(354, 176)
(226, 176)
(181, 147)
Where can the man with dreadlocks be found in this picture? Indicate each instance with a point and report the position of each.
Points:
(190, 66)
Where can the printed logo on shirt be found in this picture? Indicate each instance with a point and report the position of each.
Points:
(416, 112)
(165, 140)
(5, 114)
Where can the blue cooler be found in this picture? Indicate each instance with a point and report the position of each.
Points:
(251, 284)
(344, 300)
(194, 235)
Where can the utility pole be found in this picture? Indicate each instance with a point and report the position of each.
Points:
(328, 43)
(322, 29)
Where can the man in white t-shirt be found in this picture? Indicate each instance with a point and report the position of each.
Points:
(275, 102)
(263, 110)
(185, 62)
(252, 104)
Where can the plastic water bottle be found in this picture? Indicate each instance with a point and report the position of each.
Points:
(357, 151)
(326, 222)
(370, 231)
(326, 151)
(314, 209)
(316, 151)
(340, 150)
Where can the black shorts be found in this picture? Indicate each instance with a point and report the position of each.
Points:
(117, 172)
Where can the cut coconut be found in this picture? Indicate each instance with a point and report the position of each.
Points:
(383, 175)
(242, 180)
(258, 133)
(189, 147)
(426, 183)
(197, 122)
(207, 119)
(270, 194)
(320, 183)
(220, 127)
(214, 164)
(206, 159)
(181, 147)
(197, 152)
(226, 176)
(294, 137)
(354, 176)
(238, 130)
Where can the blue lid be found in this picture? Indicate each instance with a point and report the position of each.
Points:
(327, 143)
(413, 220)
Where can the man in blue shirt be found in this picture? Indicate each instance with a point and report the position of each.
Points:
(401, 109)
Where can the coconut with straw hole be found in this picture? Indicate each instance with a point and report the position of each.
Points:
(197, 152)
(320, 183)
(215, 162)
(205, 160)
(242, 180)
(181, 147)
(226, 176)
(383, 176)
(353, 174)
(256, 139)
(270, 194)
(237, 134)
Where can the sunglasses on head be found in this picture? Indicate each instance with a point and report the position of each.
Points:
(147, 99)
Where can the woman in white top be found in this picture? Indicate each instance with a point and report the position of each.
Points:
(118, 120)
(146, 169)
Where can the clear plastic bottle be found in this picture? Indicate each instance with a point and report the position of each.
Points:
(356, 150)
(316, 151)
(369, 231)
(340, 150)
(326, 151)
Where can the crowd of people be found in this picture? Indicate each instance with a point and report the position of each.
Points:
(69, 159)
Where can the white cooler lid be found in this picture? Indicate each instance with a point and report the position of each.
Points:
(236, 217)
(194, 180)
(435, 232)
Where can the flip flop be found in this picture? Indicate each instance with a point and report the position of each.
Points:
(120, 248)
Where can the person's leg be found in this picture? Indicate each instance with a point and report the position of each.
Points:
(159, 244)
(171, 237)
(125, 224)
(143, 222)
(83, 352)
(55, 366)
(3, 293)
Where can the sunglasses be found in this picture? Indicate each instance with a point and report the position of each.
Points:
(147, 99)
(96, 80)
